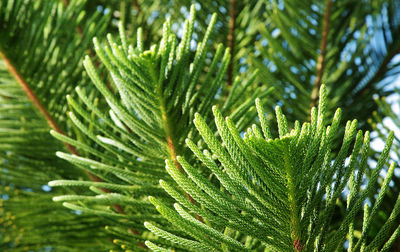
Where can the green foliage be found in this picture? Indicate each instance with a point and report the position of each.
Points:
(289, 46)
(136, 156)
(151, 101)
(28, 217)
(275, 193)
(33, 39)
(382, 125)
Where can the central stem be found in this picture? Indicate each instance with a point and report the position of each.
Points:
(292, 197)
(170, 135)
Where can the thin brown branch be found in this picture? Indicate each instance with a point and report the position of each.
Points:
(321, 57)
(172, 149)
(297, 245)
(231, 40)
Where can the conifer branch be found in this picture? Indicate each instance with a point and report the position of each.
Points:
(295, 221)
(53, 125)
(172, 148)
(92, 177)
(231, 40)
(35, 101)
(321, 57)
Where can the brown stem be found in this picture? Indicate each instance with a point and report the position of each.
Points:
(297, 245)
(35, 101)
(231, 40)
(321, 57)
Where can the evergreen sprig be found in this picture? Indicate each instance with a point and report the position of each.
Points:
(276, 193)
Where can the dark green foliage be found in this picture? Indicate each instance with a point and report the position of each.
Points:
(28, 217)
(33, 38)
(34, 41)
